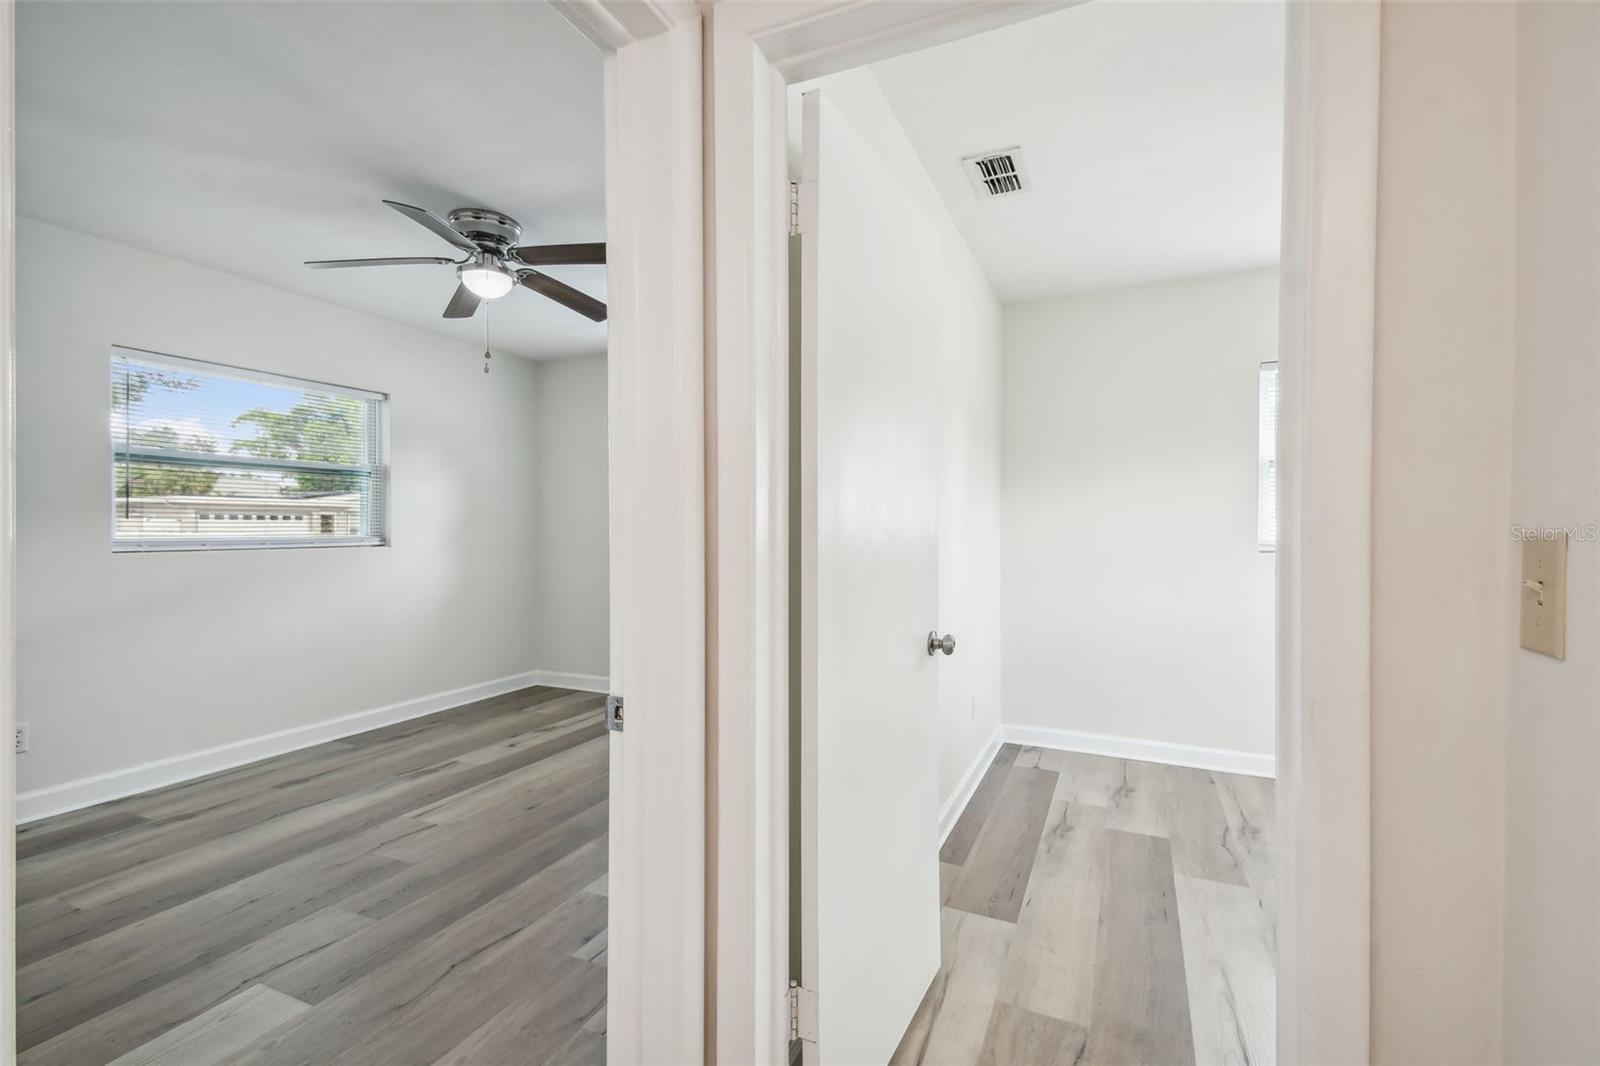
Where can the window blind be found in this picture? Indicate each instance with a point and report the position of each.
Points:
(1267, 460)
(212, 456)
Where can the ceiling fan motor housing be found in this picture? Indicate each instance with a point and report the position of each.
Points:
(487, 228)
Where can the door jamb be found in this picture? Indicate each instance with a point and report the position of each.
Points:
(656, 880)
(1328, 287)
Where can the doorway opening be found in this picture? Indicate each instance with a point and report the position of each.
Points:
(313, 628)
(1035, 338)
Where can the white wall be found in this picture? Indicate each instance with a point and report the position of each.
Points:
(1551, 977)
(129, 658)
(1485, 872)
(1441, 581)
(967, 366)
(1137, 604)
(572, 554)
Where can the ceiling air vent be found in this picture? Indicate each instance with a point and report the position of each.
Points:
(996, 173)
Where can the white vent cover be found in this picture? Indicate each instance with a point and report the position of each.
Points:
(998, 173)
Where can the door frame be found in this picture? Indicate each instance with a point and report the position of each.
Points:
(656, 873)
(753, 51)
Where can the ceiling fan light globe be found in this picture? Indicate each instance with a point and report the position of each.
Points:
(486, 283)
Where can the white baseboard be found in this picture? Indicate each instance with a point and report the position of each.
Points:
(580, 682)
(1250, 763)
(88, 791)
(956, 802)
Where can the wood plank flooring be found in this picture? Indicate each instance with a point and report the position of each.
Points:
(428, 892)
(1104, 910)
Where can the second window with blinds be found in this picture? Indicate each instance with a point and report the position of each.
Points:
(1267, 459)
(208, 456)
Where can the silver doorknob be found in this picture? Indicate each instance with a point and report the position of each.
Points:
(936, 643)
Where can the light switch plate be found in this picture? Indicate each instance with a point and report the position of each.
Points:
(1544, 595)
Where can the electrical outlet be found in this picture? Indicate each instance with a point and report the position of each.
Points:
(22, 738)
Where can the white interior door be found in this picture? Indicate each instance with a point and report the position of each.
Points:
(869, 593)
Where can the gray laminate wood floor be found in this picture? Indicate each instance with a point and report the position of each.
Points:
(1104, 911)
(430, 892)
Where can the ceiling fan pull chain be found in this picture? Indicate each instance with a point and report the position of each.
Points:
(486, 340)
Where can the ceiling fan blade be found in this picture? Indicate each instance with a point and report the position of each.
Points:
(556, 254)
(414, 260)
(564, 294)
(423, 217)
(463, 304)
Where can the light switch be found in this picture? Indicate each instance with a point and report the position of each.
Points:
(1544, 595)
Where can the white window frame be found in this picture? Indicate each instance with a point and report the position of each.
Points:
(377, 469)
(1267, 459)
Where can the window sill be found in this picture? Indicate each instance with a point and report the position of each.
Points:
(138, 547)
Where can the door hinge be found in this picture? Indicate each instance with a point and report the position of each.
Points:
(802, 1013)
(794, 209)
(614, 713)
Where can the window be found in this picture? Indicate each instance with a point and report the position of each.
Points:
(211, 456)
(1267, 460)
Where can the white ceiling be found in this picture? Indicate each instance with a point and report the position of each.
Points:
(1152, 133)
(248, 137)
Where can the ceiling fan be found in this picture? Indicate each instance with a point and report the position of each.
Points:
(493, 264)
